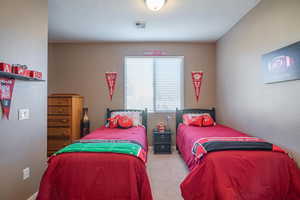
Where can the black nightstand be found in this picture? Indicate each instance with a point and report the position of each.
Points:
(162, 141)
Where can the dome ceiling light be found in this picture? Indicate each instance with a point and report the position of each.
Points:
(155, 5)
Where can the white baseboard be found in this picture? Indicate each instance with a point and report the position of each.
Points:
(33, 197)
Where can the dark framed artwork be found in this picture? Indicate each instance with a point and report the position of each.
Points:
(282, 64)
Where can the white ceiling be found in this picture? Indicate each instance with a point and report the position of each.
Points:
(113, 20)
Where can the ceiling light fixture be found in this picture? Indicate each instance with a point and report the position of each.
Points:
(155, 5)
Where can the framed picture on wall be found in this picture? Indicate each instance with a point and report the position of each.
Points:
(282, 64)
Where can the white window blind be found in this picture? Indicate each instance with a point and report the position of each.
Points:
(155, 83)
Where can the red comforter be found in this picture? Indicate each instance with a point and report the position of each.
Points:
(103, 176)
(235, 174)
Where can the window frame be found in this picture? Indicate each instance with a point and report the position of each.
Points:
(182, 81)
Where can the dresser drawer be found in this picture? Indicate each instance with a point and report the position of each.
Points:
(162, 148)
(162, 138)
(59, 133)
(57, 144)
(59, 101)
(59, 121)
(59, 110)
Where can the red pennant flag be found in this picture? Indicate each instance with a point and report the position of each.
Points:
(111, 79)
(197, 79)
(6, 91)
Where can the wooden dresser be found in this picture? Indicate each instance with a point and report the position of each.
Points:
(64, 119)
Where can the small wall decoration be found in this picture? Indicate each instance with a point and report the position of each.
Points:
(4, 67)
(21, 71)
(111, 79)
(6, 91)
(197, 79)
(282, 64)
(154, 53)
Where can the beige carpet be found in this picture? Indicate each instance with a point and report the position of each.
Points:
(166, 172)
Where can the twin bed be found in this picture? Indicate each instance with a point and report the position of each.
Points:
(233, 170)
(236, 173)
(100, 175)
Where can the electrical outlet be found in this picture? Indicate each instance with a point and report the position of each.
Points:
(26, 173)
(23, 114)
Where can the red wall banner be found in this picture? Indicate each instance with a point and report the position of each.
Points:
(155, 53)
(197, 80)
(111, 79)
(6, 91)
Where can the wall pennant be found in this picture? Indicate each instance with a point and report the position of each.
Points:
(111, 79)
(6, 91)
(197, 79)
(154, 53)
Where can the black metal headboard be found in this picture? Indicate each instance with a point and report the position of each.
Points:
(144, 114)
(179, 114)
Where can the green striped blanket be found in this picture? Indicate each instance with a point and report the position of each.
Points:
(111, 146)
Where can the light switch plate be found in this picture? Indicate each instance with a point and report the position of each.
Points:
(26, 173)
(23, 114)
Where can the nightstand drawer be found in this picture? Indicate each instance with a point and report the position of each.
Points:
(162, 148)
(162, 138)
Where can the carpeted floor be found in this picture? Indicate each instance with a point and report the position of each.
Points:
(166, 172)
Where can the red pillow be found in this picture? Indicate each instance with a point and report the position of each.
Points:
(197, 121)
(125, 122)
(192, 119)
(208, 120)
(187, 118)
(113, 122)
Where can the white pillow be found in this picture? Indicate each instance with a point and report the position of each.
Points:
(134, 115)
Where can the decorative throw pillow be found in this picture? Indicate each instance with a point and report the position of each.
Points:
(125, 122)
(113, 121)
(208, 120)
(196, 121)
(191, 117)
(135, 116)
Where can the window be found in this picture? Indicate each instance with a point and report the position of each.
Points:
(155, 83)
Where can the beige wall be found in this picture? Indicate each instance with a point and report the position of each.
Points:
(23, 39)
(80, 68)
(270, 111)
